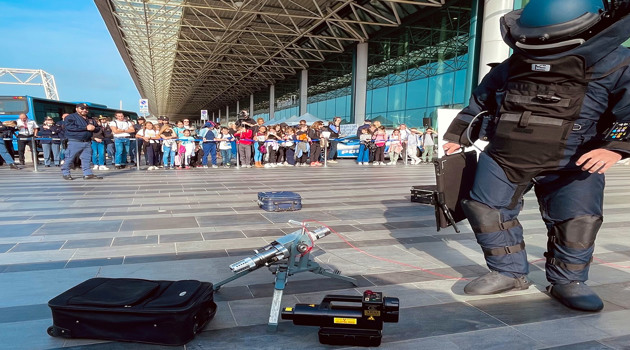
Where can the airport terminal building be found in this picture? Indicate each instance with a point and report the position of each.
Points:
(396, 61)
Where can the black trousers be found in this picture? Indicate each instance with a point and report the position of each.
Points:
(22, 143)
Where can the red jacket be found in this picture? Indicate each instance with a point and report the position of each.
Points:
(245, 137)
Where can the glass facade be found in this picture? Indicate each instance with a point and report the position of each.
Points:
(412, 71)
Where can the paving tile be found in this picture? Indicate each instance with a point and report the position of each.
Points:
(18, 230)
(201, 255)
(140, 259)
(184, 237)
(158, 223)
(53, 265)
(300, 216)
(208, 236)
(589, 345)
(264, 233)
(561, 331)
(617, 293)
(5, 247)
(617, 342)
(94, 262)
(56, 228)
(88, 243)
(123, 241)
(24, 313)
(228, 293)
(231, 220)
(37, 246)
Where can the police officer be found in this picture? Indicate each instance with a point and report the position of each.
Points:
(78, 130)
(567, 80)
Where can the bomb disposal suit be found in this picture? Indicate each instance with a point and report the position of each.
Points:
(548, 106)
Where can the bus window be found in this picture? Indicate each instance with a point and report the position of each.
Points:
(9, 105)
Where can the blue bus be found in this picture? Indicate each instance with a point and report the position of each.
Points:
(38, 109)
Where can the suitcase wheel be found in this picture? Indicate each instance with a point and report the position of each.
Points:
(55, 331)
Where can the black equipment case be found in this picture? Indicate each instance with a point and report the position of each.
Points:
(279, 201)
(454, 177)
(136, 310)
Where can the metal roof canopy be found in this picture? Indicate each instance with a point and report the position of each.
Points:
(188, 55)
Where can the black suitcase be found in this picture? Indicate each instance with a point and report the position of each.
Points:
(136, 310)
(279, 201)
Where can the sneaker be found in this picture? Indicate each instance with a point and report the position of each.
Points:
(274, 165)
(13, 166)
(205, 167)
(313, 164)
(95, 167)
(187, 166)
(332, 161)
(118, 166)
(214, 166)
(375, 163)
(102, 167)
(359, 163)
(267, 165)
(319, 164)
(382, 163)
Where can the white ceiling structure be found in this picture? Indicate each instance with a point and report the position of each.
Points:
(187, 55)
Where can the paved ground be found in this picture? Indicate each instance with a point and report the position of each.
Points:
(192, 224)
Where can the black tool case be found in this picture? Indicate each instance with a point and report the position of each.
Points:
(279, 201)
(136, 310)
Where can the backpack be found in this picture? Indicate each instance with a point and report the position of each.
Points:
(538, 106)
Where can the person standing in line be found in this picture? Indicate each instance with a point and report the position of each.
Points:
(64, 141)
(209, 145)
(79, 129)
(335, 131)
(98, 147)
(244, 142)
(380, 140)
(7, 127)
(404, 136)
(225, 146)
(26, 129)
(428, 143)
(138, 145)
(50, 143)
(122, 130)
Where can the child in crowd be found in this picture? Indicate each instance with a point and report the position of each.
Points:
(188, 143)
(413, 145)
(301, 151)
(315, 136)
(150, 144)
(244, 144)
(395, 147)
(289, 147)
(179, 129)
(169, 146)
(259, 146)
(380, 140)
(272, 146)
(225, 146)
(365, 139)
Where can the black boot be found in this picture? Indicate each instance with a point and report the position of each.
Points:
(576, 295)
(495, 283)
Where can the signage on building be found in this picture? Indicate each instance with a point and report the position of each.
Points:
(204, 114)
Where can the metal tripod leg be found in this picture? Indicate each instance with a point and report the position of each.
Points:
(274, 313)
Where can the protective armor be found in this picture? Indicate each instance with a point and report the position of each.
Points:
(549, 103)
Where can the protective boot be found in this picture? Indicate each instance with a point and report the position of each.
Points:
(576, 295)
(495, 283)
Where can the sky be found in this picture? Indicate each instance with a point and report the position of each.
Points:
(68, 39)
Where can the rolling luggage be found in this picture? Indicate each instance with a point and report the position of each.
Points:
(136, 310)
(279, 201)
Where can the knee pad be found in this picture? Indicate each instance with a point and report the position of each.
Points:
(484, 219)
(576, 233)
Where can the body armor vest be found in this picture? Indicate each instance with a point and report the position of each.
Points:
(542, 99)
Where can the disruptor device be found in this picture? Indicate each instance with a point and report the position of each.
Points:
(285, 257)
